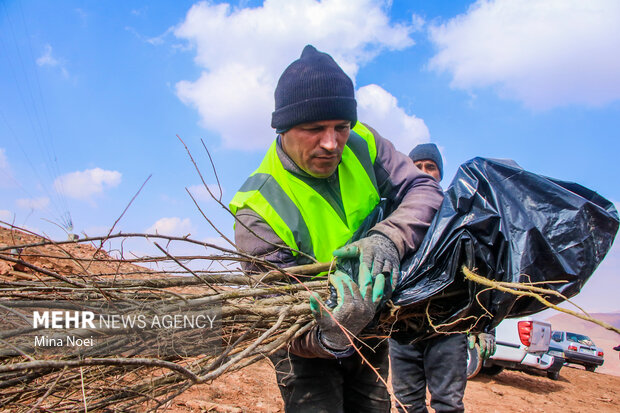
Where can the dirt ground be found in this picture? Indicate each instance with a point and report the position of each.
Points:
(254, 389)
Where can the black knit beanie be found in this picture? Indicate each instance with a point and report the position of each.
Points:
(427, 151)
(313, 88)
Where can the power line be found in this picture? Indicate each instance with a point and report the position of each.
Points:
(43, 135)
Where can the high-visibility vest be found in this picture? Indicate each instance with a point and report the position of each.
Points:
(298, 214)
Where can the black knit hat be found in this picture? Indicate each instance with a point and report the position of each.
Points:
(313, 88)
(427, 151)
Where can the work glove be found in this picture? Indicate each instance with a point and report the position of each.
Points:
(486, 342)
(355, 309)
(376, 252)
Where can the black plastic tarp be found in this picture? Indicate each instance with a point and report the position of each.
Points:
(508, 225)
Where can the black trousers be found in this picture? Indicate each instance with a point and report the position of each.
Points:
(316, 385)
(440, 363)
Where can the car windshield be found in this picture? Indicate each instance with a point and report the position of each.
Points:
(578, 338)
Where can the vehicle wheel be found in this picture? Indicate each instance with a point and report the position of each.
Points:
(591, 368)
(492, 370)
(553, 375)
(474, 362)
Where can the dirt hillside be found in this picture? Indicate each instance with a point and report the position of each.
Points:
(58, 258)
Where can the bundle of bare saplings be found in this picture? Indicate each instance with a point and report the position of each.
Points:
(81, 327)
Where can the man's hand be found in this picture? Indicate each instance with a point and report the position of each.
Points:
(486, 342)
(376, 252)
(356, 307)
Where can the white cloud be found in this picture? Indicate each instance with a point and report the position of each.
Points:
(243, 51)
(380, 109)
(6, 216)
(200, 193)
(417, 23)
(155, 41)
(84, 184)
(544, 53)
(46, 59)
(219, 241)
(171, 226)
(33, 203)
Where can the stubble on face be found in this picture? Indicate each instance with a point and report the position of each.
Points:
(316, 147)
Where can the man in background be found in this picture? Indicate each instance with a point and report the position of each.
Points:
(438, 362)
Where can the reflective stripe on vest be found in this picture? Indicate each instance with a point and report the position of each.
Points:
(298, 214)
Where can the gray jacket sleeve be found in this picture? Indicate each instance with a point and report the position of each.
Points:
(417, 195)
(261, 242)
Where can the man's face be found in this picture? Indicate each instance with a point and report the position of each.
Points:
(316, 147)
(428, 167)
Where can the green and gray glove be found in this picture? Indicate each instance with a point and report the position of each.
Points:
(356, 307)
(486, 342)
(377, 252)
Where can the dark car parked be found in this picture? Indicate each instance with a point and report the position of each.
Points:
(577, 349)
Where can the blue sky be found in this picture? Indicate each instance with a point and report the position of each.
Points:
(93, 97)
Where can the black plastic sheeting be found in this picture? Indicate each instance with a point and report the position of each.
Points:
(508, 225)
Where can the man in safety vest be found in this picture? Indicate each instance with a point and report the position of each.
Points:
(438, 362)
(320, 178)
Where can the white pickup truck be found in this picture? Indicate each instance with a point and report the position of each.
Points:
(522, 343)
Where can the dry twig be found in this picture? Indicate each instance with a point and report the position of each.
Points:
(535, 292)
